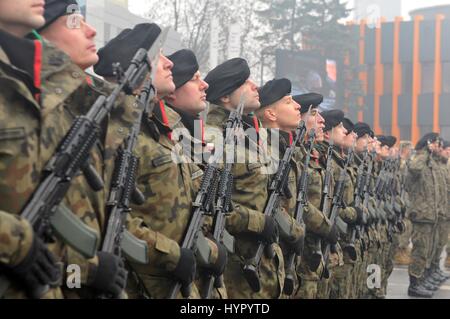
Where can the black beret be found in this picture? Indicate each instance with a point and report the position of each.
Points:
(307, 101)
(391, 141)
(388, 141)
(362, 129)
(332, 119)
(185, 65)
(274, 91)
(54, 9)
(430, 137)
(348, 124)
(226, 78)
(123, 48)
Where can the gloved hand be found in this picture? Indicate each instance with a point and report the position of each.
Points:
(110, 276)
(219, 267)
(38, 269)
(333, 235)
(186, 267)
(270, 233)
(298, 246)
(360, 216)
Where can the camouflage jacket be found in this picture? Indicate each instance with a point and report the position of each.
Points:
(251, 172)
(30, 132)
(288, 202)
(427, 189)
(348, 213)
(167, 180)
(16, 237)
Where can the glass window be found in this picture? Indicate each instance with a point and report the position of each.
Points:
(407, 76)
(427, 78)
(388, 78)
(446, 77)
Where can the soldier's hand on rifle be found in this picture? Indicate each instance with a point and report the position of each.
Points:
(110, 276)
(298, 245)
(38, 269)
(333, 235)
(270, 233)
(361, 218)
(186, 267)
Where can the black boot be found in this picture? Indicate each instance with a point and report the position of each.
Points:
(437, 276)
(429, 284)
(443, 274)
(434, 277)
(416, 290)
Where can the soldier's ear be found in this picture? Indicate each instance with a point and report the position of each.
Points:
(225, 99)
(270, 114)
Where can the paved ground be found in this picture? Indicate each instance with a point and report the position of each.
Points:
(398, 286)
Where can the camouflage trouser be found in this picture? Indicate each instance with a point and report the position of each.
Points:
(355, 289)
(16, 293)
(336, 260)
(441, 240)
(404, 239)
(153, 287)
(308, 279)
(323, 288)
(307, 290)
(361, 286)
(272, 275)
(448, 247)
(341, 282)
(388, 268)
(423, 236)
(379, 258)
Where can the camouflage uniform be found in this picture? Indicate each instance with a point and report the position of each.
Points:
(361, 241)
(29, 135)
(168, 186)
(443, 218)
(16, 237)
(317, 226)
(189, 135)
(250, 195)
(404, 239)
(340, 282)
(288, 201)
(428, 200)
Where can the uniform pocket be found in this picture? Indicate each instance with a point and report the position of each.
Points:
(11, 134)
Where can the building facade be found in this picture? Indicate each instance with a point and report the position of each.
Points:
(405, 71)
(374, 9)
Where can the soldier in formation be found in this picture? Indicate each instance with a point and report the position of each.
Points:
(155, 182)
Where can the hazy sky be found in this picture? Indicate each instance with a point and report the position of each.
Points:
(408, 5)
(139, 6)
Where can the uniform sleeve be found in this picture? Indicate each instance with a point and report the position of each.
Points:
(16, 238)
(163, 252)
(244, 220)
(316, 222)
(418, 164)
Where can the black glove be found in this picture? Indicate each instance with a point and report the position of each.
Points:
(38, 269)
(219, 267)
(186, 268)
(270, 233)
(360, 217)
(110, 276)
(298, 246)
(333, 235)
